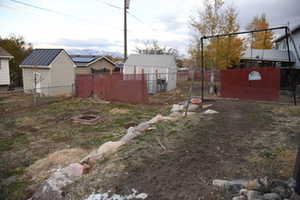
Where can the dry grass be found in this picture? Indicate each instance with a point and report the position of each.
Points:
(40, 169)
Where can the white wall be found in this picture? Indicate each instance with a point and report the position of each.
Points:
(62, 75)
(4, 71)
(296, 38)
(169, 74)
(28, 79)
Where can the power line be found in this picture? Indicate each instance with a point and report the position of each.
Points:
(132, 15)
(57, 12)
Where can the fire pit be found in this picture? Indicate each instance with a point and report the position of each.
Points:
(88, 119)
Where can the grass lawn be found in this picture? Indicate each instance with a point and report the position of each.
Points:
(32, 133)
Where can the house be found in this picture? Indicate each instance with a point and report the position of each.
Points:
(4, 67)
(160, 70)
(267, 58)
(281, 44)
(50, 72)
(89, 64)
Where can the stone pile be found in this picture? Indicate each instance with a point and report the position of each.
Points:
(259, 189)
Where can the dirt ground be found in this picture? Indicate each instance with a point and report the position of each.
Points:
(179, 160)
(173, 160)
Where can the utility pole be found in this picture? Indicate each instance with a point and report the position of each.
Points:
(126, 7)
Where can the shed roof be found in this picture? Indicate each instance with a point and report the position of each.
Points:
(86, 60)
(268, 55)
(4, 53)
(151, 60)
(41, 57)
(293, 31)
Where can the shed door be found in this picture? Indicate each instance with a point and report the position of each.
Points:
(37, 81)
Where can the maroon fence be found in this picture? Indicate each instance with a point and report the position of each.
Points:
(251, 83)
(113, 87)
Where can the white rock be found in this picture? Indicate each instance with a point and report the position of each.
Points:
(155, 119)
(272, 196)
(243, 192)
(73, 170)
(177, 108)
(131, 133)
(209, 111)
(104, 151)
(221, 183)
(239, 198)
(142, 126)
(253, 195)
(193, 107)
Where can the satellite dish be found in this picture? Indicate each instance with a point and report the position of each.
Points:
(127, 4)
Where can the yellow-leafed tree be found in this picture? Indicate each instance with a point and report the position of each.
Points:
(261, 40)
(222, 52)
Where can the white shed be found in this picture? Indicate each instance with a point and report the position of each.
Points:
(158, 69)
(51, 72)
(4, 67)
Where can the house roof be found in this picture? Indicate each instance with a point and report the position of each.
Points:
(268, 55)
(86, 60)
(293, 30)
(4, 53)
(151, 60)
(41, 57)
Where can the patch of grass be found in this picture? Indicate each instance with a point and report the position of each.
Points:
(14, 191)
(97, 141)
(6, 145)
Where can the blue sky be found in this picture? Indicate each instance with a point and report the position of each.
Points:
(91, 24)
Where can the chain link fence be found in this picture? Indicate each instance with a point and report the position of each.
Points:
(19, 98)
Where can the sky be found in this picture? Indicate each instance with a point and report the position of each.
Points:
(95, 26)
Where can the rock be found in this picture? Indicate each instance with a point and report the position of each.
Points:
(196, 100)
(295, 196)
(193, 107)
(235, 188)
(181, 108)
(51, 189)
(177, 108)
(221, 183)
(142, 126)
(284, 192)
(175, 114)
(239, 198)
(103, 151)
(254, 195)
(155, 119)
(131, 133)
(243, 192)
(74, 169)
(253, 185)
(272, 196)
(291, 183)
(210, 112)
(206, 106)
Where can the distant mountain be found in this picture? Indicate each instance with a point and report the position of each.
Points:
(94, 52)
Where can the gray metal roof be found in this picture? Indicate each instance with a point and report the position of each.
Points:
(268, 55)
(41, 57)
(151, 60)
(293, 31)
